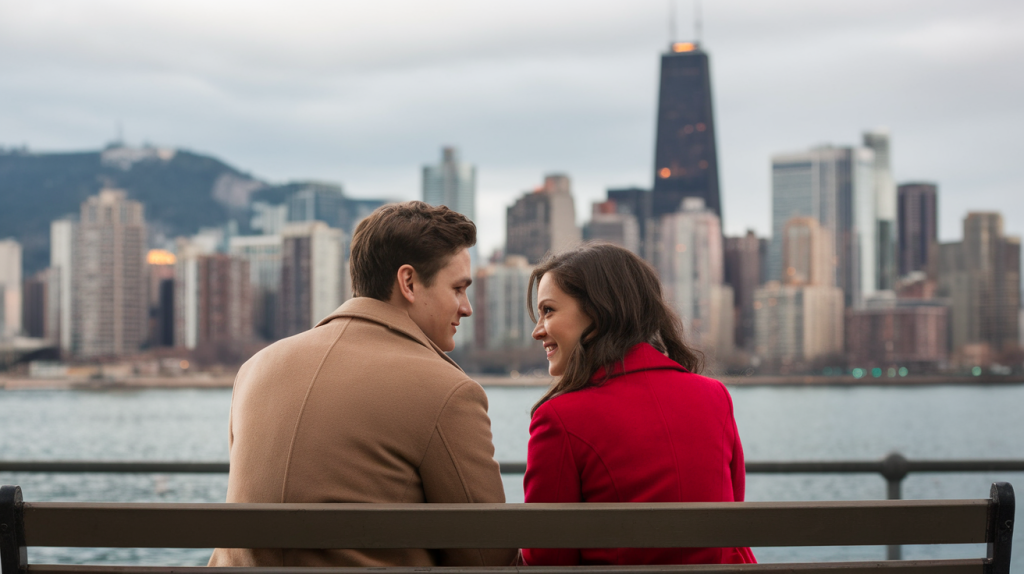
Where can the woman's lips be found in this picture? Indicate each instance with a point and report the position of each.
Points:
(550, 350)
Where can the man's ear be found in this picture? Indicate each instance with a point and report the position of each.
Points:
(406, 279)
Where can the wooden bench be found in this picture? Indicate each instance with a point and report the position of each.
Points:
(660, 525)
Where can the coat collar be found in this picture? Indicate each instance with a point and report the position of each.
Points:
(642, 357)
(388, 315)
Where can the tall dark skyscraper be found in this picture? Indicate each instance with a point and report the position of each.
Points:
(918, 226)
(685, 157)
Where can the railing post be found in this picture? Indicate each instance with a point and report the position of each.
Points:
(894, 468)
(1000, 528)
(13, 557)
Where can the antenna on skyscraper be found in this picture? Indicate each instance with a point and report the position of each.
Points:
(672, 22)
(697, 21)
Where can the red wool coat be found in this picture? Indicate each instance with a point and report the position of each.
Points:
(654, 432)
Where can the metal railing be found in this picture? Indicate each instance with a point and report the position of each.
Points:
(893, 468)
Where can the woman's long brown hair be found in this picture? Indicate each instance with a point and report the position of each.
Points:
(621, 294)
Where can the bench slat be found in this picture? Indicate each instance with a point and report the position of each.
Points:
(588, 525)
(970, 566)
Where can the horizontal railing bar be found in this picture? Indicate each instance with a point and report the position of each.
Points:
(963, 566)
(77, 466)
(753, 467)
(578, 525)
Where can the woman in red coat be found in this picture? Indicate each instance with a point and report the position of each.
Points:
(628, 420)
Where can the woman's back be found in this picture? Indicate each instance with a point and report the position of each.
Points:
(654, 433)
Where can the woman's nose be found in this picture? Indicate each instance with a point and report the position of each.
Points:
(538, 331)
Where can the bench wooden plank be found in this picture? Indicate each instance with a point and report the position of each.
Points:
(588, 525)
(969, 566)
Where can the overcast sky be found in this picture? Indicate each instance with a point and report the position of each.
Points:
(364, 93)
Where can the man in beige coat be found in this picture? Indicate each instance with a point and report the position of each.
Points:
(366, 406)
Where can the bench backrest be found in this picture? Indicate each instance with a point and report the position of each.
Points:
(658, 525)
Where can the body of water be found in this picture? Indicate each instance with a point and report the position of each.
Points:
(776, 423)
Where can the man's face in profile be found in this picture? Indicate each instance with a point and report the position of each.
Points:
(439, 308)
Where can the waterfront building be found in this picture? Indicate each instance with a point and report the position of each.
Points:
(801, 317)
(213, 309)
(10, 284)
(63, 234)
(980, 275)
(690, 264)
(264, 254)
(542, 221)
(836, 186)
(501, 313)
(796, 323)
(891, 332)
(314, 277)
(162, 318)
(110, 311)
(743, 268)
(885, 210)
(918, 227)
(636, 201)
(608, 224)
(685, 156)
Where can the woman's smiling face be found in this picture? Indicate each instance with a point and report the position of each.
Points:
(560, 323)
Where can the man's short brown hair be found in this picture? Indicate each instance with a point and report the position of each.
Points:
(397, 234)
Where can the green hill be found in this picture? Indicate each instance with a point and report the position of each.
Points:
(181, 191)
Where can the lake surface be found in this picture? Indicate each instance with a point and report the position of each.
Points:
(776, 423)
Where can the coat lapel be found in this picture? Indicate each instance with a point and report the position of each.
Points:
(386, 314)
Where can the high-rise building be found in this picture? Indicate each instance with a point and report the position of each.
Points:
(263, 252)
(690, 265)
(313, 275)
(110, 307)
(801, 318)
(981, 277)
(315, 201)
(743, 273)
(836, 186)
(451, 183)
(608, 224)
(34, 301)
(10, 284)
(63, 234)
(918, 226)
(214, 309)
(807, 253)
(502, 317)
(685, 157)
(162, 264)
(267, 218)
(886, 266)
(636, 201)
(542, 221)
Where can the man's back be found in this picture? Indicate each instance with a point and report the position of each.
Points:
(363, 408)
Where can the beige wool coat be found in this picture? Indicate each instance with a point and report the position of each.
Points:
(361, 408)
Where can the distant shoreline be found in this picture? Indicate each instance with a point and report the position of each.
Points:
(202, 381)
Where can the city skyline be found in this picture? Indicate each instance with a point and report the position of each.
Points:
(895, 70)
